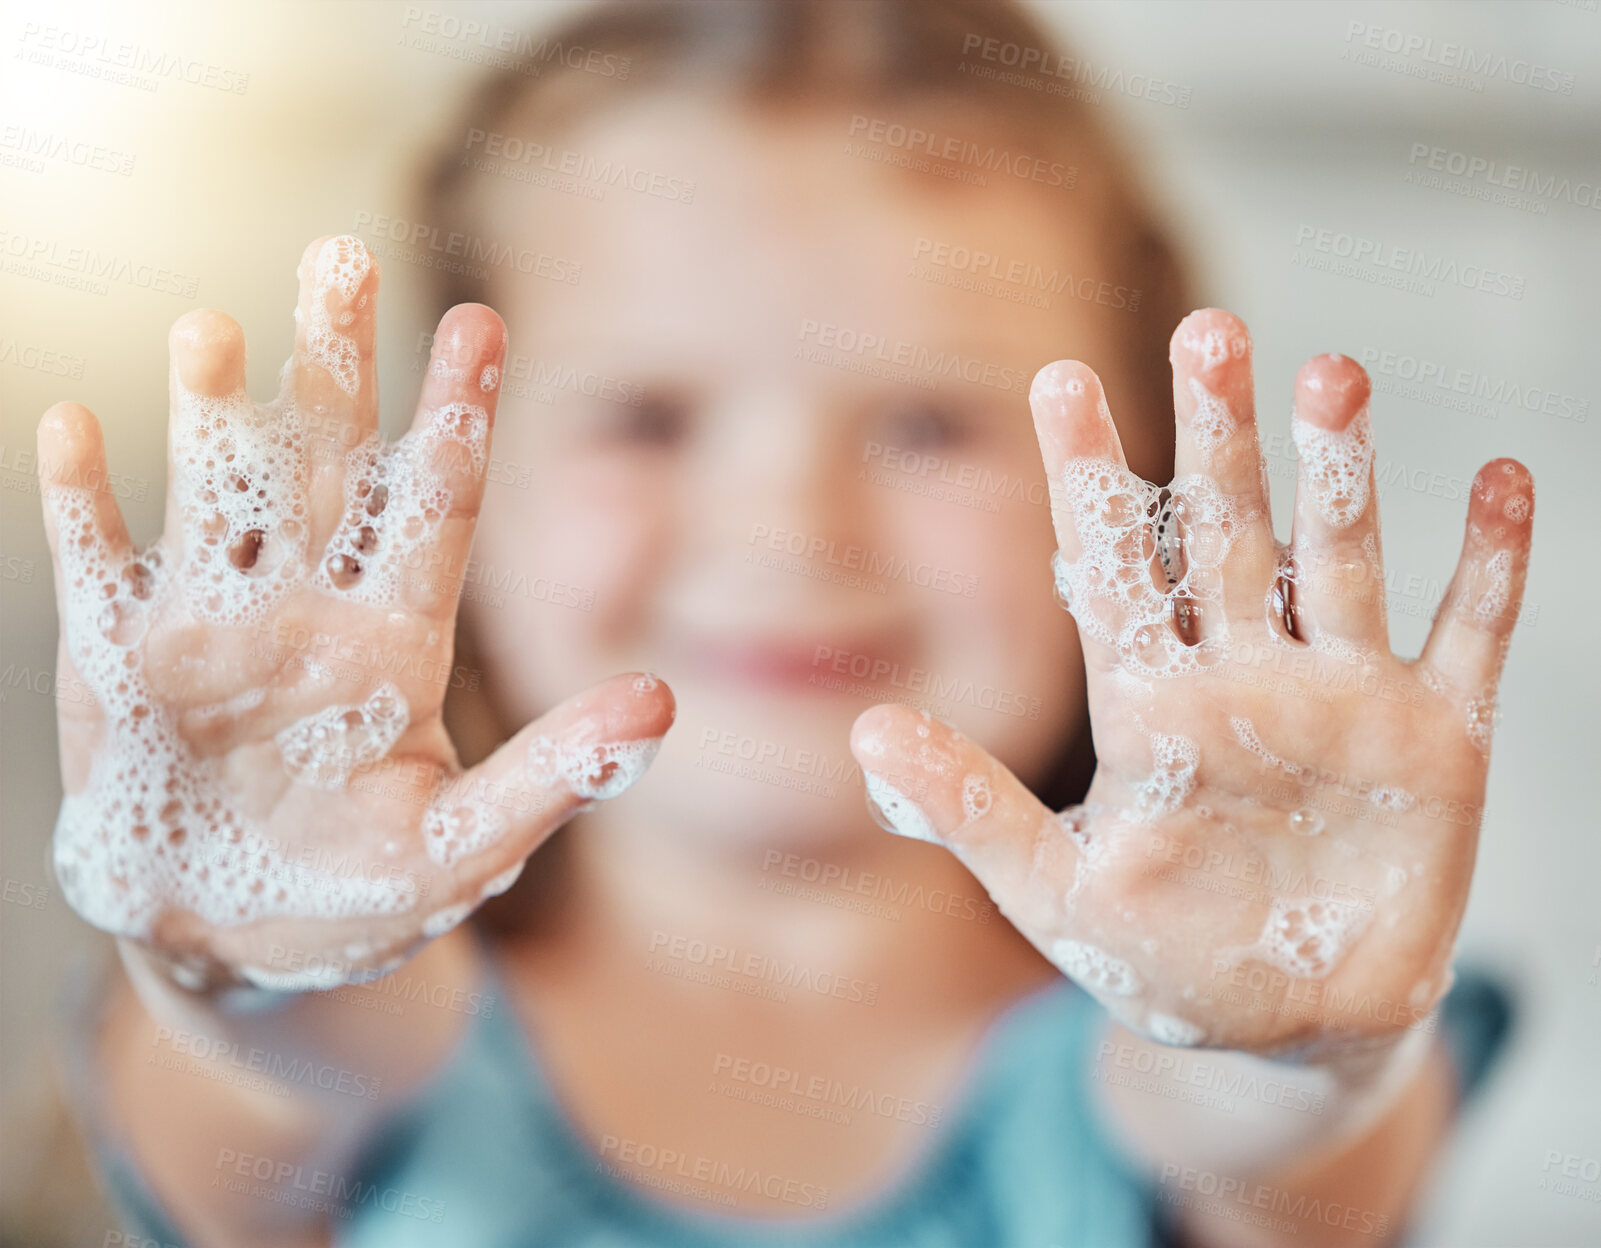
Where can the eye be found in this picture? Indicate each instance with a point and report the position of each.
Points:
(655, 421)
(920, 425)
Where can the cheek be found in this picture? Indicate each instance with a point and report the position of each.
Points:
(1009, 653)
(565, 565)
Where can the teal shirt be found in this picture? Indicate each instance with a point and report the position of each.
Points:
(485, 1156)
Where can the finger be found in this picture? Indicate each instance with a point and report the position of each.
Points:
(410, 508)
(455, 420)
(1098, 507)
(335, 375)
(927, 781)
(1226, 543)
(483, 824)
(88, 540)
(1467, 646)
(1339, 575)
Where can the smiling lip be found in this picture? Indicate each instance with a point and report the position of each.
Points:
(786, 665)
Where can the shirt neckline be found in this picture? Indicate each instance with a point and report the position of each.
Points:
(912, 1185)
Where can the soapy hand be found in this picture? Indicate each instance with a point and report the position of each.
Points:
(1275, 852)
(263, 790)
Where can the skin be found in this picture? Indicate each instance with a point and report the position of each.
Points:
(657, 516)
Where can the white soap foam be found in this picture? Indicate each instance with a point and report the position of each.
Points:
(324, 748)
(240, 485)
(453, 829)
(895, 812)
(1095, 968)
(489, 378)
(1245, 734)
(1497, 586)
(441, 921)
(1212, 424)
(976, 797)
(1392, 797)
(1216, 345)
(500, 883)
(1482, 714)
(1168, 1029)
(1109, 586)
(395, 498)
(321, 978)
(596, 770)
(1307, 938)
(155, 828)
(341, 267)
(1337, 468)
(1173, 779)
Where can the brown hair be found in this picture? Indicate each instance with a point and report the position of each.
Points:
(768, 55)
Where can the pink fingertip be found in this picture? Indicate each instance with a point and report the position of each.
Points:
(1330, 390)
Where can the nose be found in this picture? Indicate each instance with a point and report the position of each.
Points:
(778, 466)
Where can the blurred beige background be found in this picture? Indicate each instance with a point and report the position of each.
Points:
(1292, 122)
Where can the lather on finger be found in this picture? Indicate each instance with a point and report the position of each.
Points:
(1468, 644)
(1214, 405)
(1074, 427)
(1339, 587)
(455, 421)
(930, 782)
(335, 374)
(483, 824)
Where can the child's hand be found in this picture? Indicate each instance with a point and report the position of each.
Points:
(1275, 852)
(264, 788)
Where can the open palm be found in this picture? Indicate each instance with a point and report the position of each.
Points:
(1276, 848)
(263, 788)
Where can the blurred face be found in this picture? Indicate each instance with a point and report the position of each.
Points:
(786, 521)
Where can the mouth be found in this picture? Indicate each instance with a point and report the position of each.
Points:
(816, 665)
